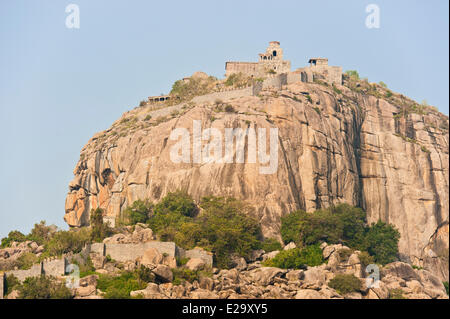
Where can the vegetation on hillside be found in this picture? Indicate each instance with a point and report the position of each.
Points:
(342, 224)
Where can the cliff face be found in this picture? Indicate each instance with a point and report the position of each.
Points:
(334, 145)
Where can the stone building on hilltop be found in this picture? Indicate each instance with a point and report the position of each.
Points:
(270, 62)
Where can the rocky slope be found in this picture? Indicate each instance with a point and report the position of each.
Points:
(248, 279)
(336, 144)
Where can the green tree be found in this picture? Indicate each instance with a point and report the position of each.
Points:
(14, 235)
(381, 241)
(297, 258)
(43, 287)
(345, 283)
(99, 230)
(139, 212)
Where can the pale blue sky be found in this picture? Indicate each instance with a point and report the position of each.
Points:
(59, 86)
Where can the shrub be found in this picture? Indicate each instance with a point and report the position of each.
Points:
(396, 293)
(271, 244)
(365, 259)
(171, 213)
(178, 202)
(99, 230)
(43, 287)
(12, 283)
(26, 260)
(381, 83)
(342, 223)
(181, 275)
(14, 235)
(119, 287)
(67, 241)
(41, 233)
(227, 229)
(139, 212)
(336, 90)
(445, 283)
(297, 258)
(344, 253)
(345, 283)
(238, 79)
(352, 74)
(229, 108)
(388, 94)
(381, 241)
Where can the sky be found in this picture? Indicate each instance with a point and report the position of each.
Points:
(59, 85)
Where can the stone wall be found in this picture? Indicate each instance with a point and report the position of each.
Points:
(2, 284)
(248, 68)
(54, 267)
(130, 252)
(34, 271)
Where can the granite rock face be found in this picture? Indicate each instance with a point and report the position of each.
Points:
(334, 146)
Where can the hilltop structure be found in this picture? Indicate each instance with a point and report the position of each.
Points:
(274, 71)
(270, 62)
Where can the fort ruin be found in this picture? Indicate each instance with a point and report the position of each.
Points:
(274, 71)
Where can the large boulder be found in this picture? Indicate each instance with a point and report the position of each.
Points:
(265, 275)
(151, 257)
(308, 294)
(401, 270)
(163, 272)
(195, 264)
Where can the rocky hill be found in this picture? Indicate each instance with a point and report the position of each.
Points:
(357, 143)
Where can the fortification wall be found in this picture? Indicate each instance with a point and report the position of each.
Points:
(130, 252)
(2, 284)
(34, 271)
(293, 77)
(275, 81)
(55, 267)
(248, 68)
(224, 95)
(49, 267)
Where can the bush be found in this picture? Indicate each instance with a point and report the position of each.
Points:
(446, 286)
(271, 244)
(181, 275)
(12, 283)
(171, 213)
(388, 94)
(352, 74)
(381, 241)
(67, 241)
(43, 287)
(344, 254)
(229, 108)
(99, 230)
(342, 223)
(365, 259)
(41, 233)
(396, 293)
(177, 202)
(119, 287)
(345, 283)
(26, 260)
(227, 229)
(297, 258)
(14, 235)
(139, 212)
